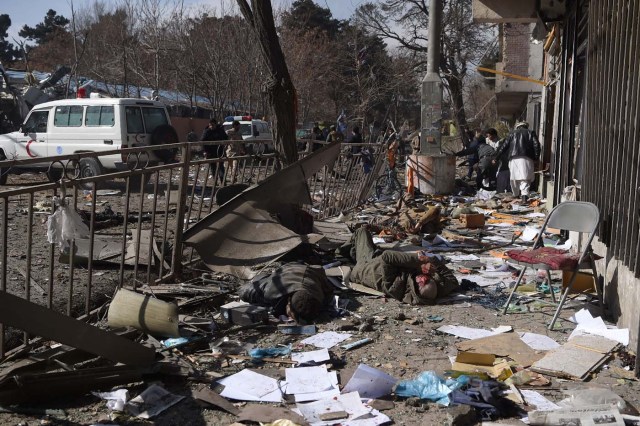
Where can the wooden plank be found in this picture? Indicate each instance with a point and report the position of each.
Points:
(40, 321)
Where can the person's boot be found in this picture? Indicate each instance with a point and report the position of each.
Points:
(525, 198)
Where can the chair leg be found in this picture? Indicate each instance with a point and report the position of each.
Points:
(506, 306)
(563, 298)
(553, 295)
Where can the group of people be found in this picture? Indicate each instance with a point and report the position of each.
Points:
(215, 132)
(507, 165)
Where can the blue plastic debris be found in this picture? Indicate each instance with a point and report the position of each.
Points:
(259, 353)
(429, 386)
(174, 342)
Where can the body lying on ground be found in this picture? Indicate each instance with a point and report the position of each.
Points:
(295, 289)
(407, 277)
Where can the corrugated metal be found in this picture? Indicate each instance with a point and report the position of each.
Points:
(611, 131)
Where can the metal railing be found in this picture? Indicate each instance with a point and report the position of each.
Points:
(136, 219)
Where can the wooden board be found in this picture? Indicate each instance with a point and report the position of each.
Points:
(504, 344)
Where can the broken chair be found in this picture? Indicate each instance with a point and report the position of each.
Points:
(577, 216)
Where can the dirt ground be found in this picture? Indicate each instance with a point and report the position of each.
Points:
(405, 343)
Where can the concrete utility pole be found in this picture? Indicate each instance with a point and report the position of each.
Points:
(431, 171)
(431, 90)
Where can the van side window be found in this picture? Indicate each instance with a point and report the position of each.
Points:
(99, 116)
(68, 116)
(134, 120)
(37, 122)
(154, 117)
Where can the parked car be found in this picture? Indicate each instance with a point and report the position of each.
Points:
(252, 130)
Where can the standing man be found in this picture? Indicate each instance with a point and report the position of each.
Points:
(214, 132)
(235, 148)
(502, 178)
(523, 151)
(483, 154)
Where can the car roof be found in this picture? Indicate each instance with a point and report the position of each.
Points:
(99, 101)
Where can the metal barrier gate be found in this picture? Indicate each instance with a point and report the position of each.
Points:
(136, 219)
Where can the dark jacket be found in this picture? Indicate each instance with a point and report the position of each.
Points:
(215, 134)
(503, 159)
(479, 151)
(520, 143)
(274, 289)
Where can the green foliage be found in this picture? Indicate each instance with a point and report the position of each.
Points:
(44, 30)
(8, 53)
(305, 15)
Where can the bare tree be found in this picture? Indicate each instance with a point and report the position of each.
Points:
(463, 41)
(280, 89)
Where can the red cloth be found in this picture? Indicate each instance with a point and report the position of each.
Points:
(554, 258)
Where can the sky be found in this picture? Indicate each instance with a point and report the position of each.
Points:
(31, 12)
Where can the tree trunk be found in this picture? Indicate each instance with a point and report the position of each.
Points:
(280, 89)
(455, 89)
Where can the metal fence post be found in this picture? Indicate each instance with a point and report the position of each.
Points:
(176, 261)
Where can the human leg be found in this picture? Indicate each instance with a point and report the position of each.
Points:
(515, 187)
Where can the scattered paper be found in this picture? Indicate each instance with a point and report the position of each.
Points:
(587, 324)
(320, 355)
(591, 416)
(530, 233)
(370, 382)
(116, 400)
(307, 379)
(462, 257)
(248, 385)
(539, 342)
(349, 403)
(473, 333)
(326, 340)
(536, 399)
(152, 401)
(534, 214)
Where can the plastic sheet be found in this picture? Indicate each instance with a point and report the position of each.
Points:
(578, 398)
(259, 353)
(64, 225)
(429, 386)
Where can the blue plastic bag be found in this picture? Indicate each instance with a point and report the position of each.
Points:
(259, 353)
(429, 386)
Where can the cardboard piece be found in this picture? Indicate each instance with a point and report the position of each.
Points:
(268, 414)
(503, 345)
(40, 321)
(204, 393)
(577, 358)
(479, 363)
(364, 289)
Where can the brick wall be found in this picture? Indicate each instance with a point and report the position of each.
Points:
(515, 48)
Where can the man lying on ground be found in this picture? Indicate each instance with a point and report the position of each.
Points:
(297, 290)
(407, 277)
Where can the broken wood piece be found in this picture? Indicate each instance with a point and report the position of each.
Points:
(205, 394)
(43, 387)
(268, 414)
(248, 358)
(504, 344)
(336, 415)
(41, 321)
(153, 316)
(33, 283)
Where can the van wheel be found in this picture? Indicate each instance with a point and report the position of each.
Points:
(4, 172)
(89, 167)
(165, 134)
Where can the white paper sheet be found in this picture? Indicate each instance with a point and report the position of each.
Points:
(472, 333)
(326, 340)
(530, 233)
(349, 402)
(534, 214)
(311, 356)
(307, 379)
(539, 342)
(461, 257)
(587, 324)
(370, 382)
(249, 383)
(152, 401)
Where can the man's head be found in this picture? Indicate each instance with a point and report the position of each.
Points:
(491, 134)
(427, 287)
(213, 122)
(356, 130)
(235, 124)
(522, 125)
(303, 307)
(332, 128)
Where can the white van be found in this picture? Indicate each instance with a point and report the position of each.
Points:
(251, 130)
(88, 125)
